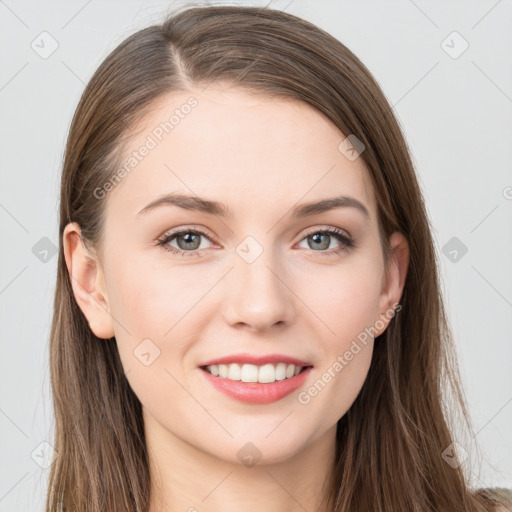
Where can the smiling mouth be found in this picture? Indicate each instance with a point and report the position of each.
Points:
(256, 384)
(263, 374)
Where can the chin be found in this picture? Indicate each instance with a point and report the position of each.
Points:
(256, 450)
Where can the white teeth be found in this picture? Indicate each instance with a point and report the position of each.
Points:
(234, 372)
(249, 373)
(266, 373)
(281, 371)
(223, 371)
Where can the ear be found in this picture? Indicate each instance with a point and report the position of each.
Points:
(87, 281)
(393, 281)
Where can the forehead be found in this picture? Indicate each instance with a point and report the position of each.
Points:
(248, 150)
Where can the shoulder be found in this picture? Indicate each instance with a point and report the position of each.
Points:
(501, 495)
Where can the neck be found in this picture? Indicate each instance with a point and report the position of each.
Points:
(186, 478)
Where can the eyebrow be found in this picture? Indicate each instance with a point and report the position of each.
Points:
(199, 204)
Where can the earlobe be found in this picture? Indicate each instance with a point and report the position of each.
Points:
(87, 282)
(395, 276)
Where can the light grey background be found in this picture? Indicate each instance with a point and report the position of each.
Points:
(455, 110)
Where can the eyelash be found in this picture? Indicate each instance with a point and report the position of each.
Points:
(346, 242)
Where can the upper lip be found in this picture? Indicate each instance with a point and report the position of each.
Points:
(257, 360)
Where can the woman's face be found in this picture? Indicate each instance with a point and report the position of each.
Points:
(261, 280)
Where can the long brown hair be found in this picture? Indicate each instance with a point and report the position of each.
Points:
(392, 443)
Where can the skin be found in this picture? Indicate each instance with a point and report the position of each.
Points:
(260, 156)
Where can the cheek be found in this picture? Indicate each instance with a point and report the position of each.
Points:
(150, 306)
(348, 304)
(150, 297)
(155, 306)
(344, 298)
(347, 348)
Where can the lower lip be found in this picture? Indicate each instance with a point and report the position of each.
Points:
(256, 392)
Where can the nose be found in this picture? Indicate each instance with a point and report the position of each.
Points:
(257, 294)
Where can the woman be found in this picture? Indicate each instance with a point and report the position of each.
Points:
(248, 313)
